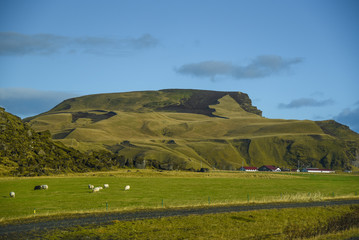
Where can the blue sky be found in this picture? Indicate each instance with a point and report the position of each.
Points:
(295, 59)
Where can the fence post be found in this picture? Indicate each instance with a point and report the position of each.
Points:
(333, 194)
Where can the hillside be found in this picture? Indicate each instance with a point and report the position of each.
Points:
(195, 128)
(24, 152)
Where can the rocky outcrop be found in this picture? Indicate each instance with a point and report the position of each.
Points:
(200, 100)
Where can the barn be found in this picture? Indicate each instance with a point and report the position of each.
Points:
(269, 168)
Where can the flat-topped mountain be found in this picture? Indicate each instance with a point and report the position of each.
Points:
(169, 100)
(185, 129)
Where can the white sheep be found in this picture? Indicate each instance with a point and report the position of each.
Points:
(12, 194)
(100, 188)
(91, 186)
(127, 187)
(96, 189)
(106, 186)
(44, 187)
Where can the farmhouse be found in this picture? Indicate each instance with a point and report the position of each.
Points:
(249, 169)
(269, 168)
(317, 170)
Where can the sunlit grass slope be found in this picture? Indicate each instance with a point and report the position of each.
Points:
(193, 128)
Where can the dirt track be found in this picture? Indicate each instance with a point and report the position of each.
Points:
(17, 230)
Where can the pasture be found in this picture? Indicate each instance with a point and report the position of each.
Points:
(152, 189)
(338, 222)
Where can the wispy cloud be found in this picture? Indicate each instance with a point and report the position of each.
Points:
(261, 66)
(25, 102)
(17, 44)
(350, 116)
(306, 102)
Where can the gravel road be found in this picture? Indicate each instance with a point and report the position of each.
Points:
(16, 230)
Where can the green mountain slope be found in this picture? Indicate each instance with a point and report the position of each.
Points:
(195, 128)
(24, 152)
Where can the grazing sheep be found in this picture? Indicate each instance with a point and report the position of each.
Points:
(127, 187)
(106, 186)
(100, 188)
(39, 187)
(12, 194)
(96, 189)
(91, 186)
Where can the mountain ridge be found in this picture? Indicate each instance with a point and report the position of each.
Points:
(184, 128)
(177, 100)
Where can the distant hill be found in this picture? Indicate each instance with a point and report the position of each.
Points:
(190, 129)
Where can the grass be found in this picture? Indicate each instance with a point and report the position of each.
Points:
(70, 194)
(340, 222)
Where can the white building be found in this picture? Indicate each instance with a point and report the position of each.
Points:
(248, 169)
(317, 170)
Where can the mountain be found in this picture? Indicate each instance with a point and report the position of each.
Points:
(190, 129)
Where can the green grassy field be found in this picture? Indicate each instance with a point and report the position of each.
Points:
(70, 194)
(304, 223)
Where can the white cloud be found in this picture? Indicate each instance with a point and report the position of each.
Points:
(306, 102)
(261, 66)
(25, 102)
(350, 117)
(17, 44)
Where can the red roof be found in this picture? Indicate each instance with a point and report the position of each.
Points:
(250, 168)
(270, 167)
